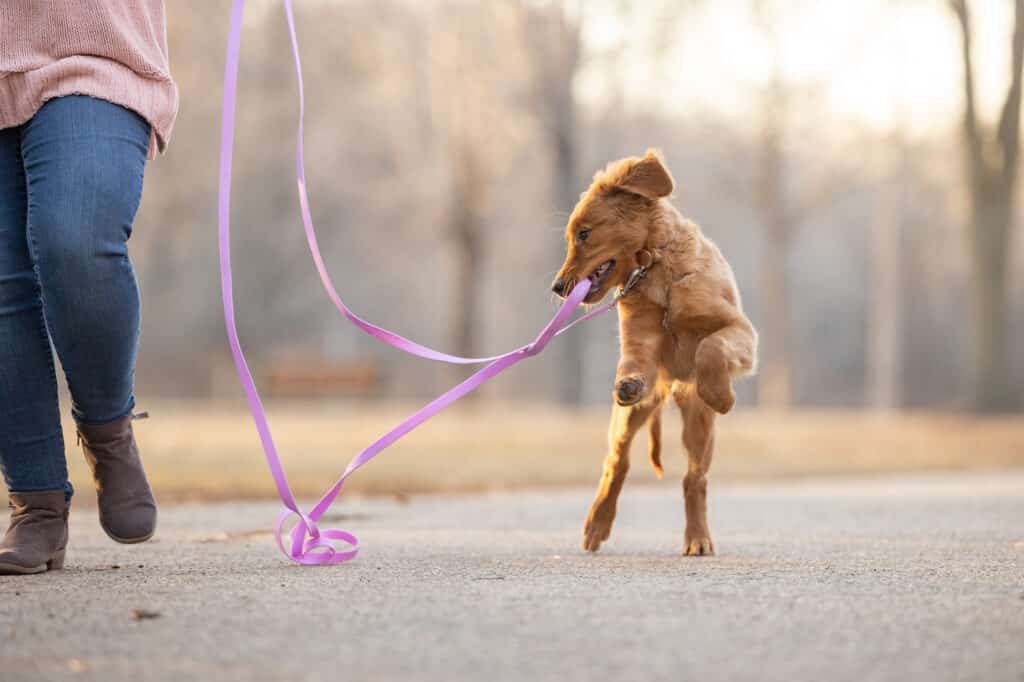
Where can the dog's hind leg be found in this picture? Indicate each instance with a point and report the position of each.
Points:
(727, 353)
(626, 421)
(699, 441)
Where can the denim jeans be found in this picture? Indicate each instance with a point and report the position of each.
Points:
(70, 184)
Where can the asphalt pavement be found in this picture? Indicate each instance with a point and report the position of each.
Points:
(911, 578)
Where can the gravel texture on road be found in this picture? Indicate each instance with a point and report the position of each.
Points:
(913, 578)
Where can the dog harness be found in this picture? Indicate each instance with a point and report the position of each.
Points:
(310, 544)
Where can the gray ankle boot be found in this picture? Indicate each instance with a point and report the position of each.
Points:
(38, 534)
(126, 505)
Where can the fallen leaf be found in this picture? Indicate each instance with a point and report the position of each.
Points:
(143, 614)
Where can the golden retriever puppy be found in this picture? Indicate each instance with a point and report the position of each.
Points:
(682, 327)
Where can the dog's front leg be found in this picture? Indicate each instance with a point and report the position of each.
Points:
(624, 425)
(640, 330)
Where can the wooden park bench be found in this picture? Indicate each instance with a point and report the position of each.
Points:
(321, 378)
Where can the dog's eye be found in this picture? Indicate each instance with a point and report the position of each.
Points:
(583, 235)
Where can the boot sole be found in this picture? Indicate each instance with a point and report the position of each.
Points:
(55, 563)
(12, 569)
(128, 541)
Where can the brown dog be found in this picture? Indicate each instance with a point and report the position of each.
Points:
(683, 331)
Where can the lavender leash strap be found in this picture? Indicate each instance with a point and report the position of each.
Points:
(309, 544)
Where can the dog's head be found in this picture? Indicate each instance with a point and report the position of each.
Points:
(610, 224)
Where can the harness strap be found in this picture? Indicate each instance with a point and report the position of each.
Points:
(310, 544)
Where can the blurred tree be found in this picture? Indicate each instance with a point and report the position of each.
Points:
(554, 42)
(552, 35)
(431, 123)
(991, 168)
(776, 211)
(786, 198)
(885, 308)
(182, 323)
(773, 328)
(471, 179)
(478, 63)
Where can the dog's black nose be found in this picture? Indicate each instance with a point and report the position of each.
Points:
(558, 286)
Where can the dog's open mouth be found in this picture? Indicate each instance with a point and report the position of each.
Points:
(598, 278)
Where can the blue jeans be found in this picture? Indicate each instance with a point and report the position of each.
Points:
(70, 184)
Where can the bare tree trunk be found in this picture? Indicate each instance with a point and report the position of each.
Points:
(885, 309)
(467, 277)
(473, 48)
(566, 144)
(774, 389)
(472, 173)
(989, 241)
(467, 235)
(991, 162)
(467, 241)
(566, 165)
(555, 44)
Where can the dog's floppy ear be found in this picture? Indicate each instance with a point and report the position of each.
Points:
(647, 177)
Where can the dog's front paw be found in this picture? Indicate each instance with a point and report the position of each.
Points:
(597, 528)
(698, 544)
(630, 390)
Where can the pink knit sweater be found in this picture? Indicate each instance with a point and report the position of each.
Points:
(114, 50)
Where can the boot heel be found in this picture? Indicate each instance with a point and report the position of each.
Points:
(56, 562)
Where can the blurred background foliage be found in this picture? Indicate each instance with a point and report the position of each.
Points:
(862, 188)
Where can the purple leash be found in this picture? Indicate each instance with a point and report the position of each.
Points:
(309, 544)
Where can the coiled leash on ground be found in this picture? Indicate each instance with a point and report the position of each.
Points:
(310, 544)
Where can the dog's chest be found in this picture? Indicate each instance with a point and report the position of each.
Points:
(678, 346)
(678, 350)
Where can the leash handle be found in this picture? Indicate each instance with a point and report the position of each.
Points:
(309, 544)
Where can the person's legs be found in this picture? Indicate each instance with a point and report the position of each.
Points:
(31, 442)
(84, 161)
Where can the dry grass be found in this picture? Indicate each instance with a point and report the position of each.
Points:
(210, 451)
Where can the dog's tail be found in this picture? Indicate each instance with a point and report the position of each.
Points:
(654, 440)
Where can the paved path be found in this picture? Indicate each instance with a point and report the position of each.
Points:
(901, 579)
